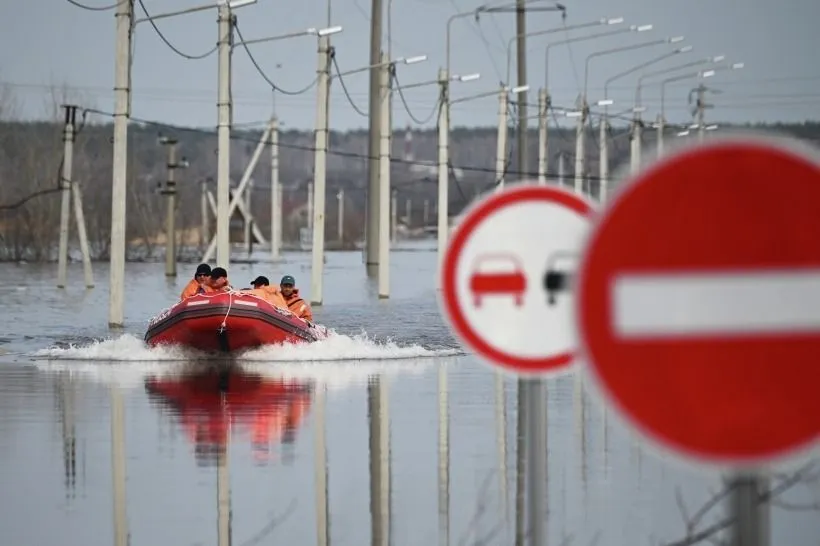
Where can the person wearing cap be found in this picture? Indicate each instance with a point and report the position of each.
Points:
(263, 289)
(200, 284)
(296, 304)
(219, 280)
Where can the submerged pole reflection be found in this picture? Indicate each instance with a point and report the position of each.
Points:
(67, 420)
(501, 442)
(443, 458)
(520, 460)
(379, 425)
(320, 467)
(223, 485)
(118, 471)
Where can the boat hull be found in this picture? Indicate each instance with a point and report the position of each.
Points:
(228, 322)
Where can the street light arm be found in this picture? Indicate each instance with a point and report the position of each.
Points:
(616, 50)
(640, 67)
(597, 22)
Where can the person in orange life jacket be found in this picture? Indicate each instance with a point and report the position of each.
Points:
(200, 284)
(296, 305)
(219, 280)
(271, 294)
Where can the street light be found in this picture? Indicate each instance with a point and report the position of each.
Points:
(599, 22)
(700, 74)
(647, 75)
(307, 32)
(672, 40)
(603, 163)
(236, 4)
(632, 28)
(504, 8)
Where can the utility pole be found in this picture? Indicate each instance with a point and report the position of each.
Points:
(543, 142)
(372, 215)
(340, 220)
(562, 169)
(701, 111)
(384, 217)
(204, 236)
(637, 135)
(394, 217)
(275, 197)
(408, 213)
(443, 161)
(65, 187)
(122, 89)
(425, 213)
(580, 162)
(604, 160)
(224, 115)
(521, 71)
(661, 129)
(249, 218)
(170, 192)
(319, 170)
(501, 138)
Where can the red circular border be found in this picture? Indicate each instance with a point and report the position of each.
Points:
(455, 246)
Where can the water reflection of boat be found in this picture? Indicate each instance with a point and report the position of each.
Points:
(213, 405)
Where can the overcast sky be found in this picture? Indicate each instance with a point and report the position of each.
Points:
(51, 42)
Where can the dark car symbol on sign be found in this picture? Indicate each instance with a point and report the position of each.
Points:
(498, 274)
(557, 279)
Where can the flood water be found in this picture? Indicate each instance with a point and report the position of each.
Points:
(103, 441)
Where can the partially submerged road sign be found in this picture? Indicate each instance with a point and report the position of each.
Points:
(698, 301)
(505, 277)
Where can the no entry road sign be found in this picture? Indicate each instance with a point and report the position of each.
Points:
(506, 275)
(698, 301)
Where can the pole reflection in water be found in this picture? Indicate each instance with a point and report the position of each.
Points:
(379, 425)
(520, 460)
(320, 467)
(501, 441)
(223, 484)
(443, 458)
(118, 467)
(69, 434)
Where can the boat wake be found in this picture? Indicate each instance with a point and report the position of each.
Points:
(338, 360)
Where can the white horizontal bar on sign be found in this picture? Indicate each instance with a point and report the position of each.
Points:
(715, 304)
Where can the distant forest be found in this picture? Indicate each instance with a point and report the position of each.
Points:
(31, 155)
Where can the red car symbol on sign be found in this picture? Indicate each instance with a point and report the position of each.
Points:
(492, 281)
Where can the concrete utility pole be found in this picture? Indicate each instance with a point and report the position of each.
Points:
(384, 234)
(543, 126)
(248, 220)
(700, 106)
(372, 216)
(394, 217)
(170, 192)
(425, 212)
(501, 138)
(580, 160)
(65, 185)
(521, 71)
(408, 213)
(443, 160)
(319, 170)
(224, 115)
(122, 88)
(340, 217)
(204, 236)
(603, 167)
(635, 144)
(275, 196)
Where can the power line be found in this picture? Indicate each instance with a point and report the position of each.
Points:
(265, 76)
(407, 108)
(97, 8)
(344, 87)
(169, 44)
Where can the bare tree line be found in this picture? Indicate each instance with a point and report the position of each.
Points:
(31, 159)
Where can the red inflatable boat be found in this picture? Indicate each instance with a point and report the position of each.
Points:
(227, 322)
